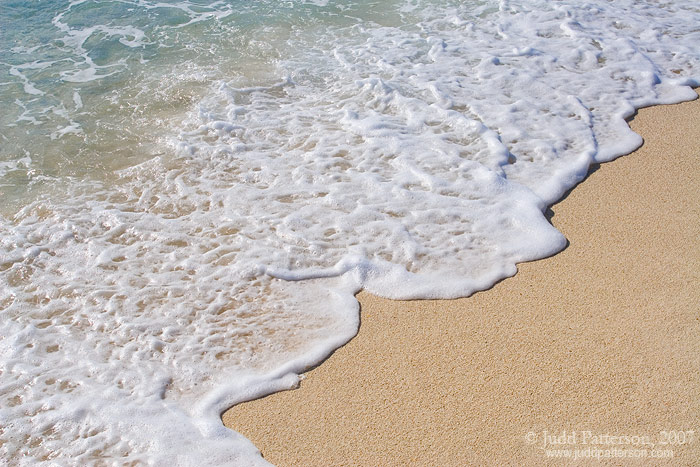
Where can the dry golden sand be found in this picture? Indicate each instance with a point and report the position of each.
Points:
(603, 337)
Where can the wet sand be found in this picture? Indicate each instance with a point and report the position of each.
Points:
(601, 339)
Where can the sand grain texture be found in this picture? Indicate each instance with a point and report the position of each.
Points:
(603, 337)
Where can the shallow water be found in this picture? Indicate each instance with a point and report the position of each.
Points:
(192, 192)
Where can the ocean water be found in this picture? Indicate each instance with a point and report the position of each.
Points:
(193, 191)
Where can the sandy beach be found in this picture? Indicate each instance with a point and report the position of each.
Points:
(599, 343)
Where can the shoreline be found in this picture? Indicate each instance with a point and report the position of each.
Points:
(601, 338)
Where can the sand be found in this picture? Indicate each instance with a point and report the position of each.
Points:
(600, 339)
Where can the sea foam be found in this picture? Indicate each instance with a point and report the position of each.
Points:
(195, 192)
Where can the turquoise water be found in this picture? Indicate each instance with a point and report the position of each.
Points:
(90, 87)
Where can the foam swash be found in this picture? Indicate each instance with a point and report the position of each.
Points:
(193, 191)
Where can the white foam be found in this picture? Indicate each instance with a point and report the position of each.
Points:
(412, 156)
(29, 88)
